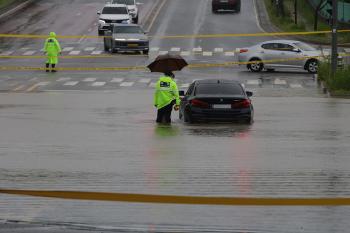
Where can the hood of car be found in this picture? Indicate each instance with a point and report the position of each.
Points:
(114, 17)
(130, 36)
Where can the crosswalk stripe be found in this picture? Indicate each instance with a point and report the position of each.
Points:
(145, 80)
(63, 79)
(7, 53)
(89, 80)
(19, 88)
(253, 82)
(163, 52)
(76, 52)
(29, 53)
(278, 81)
(175, 49)
(96, 52)
(229, 54)
(71, 83)
(89, 49)
(219, 50)
(197, 49)
(154, 49)
(67, 49)
(117, 80)
(185, 53)
(126, 84)
(98, 84)
(207, 54)
(295, 85)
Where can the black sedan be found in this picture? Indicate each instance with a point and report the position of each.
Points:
(216, 100)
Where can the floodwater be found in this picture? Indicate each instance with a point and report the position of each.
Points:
(108, 142)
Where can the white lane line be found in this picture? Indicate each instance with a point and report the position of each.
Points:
(175, 49)
(207, 54)
(7, 53)
(33, 79)
(152, 84)
(117, 80)
(154, 49)
(126, 84)
(163, 52)
(98, 84)
(295, 85)
(145, 80)
(89, 49)
(280, 82)
(185, 53)
(67, 49)
(96, 52)
(253, 82)
(71, 83)
(197, 49)
(89, 80)
(43, 83)
(74, 52)
(229, 54)
(29, 53)
(219, 50)
(63, 79)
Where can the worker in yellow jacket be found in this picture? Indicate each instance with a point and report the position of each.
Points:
(166, 95)
(52, 49)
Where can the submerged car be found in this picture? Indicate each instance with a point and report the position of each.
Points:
(233, 5)
(216, 100)
(126, 37)
(276, 54)
(112, 13)
(132, 7)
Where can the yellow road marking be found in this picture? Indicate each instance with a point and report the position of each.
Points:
(186, 200)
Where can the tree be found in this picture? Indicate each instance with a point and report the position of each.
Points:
(319, 7)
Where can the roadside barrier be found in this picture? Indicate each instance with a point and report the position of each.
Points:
(183, 200)
(178, 36)
(143, 68)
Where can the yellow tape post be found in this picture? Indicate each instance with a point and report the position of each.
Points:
(180, 36)
(186, 200)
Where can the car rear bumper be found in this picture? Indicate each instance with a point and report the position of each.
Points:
(225, 115)
(229, 5)
(131, 46)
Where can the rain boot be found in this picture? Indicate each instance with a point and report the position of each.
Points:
(47, 67)
(53, 68)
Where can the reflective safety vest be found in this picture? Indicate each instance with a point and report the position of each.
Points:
(166, 92)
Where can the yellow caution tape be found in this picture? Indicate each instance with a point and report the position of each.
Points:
(179, 36)
(185, 200)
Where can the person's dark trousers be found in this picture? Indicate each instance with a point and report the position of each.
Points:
(47, 67)
(164, 114)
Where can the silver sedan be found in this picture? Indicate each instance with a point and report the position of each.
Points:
(275, 54)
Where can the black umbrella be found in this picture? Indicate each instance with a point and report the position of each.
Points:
(167, 62)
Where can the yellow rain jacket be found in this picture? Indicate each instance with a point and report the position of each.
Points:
(166, 91)
(52, 48)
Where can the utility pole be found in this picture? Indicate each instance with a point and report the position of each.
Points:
(296, 12)
(334, 36)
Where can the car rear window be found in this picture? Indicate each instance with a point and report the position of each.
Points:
(126, 2)
(114, 10)
(219, 89)
(128, 29)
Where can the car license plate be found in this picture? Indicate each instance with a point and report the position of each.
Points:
(222, 106)
(132, 45)
(223, 1)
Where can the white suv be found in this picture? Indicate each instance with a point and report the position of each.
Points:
(132, 7)
(112, 13)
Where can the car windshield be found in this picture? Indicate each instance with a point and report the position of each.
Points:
(219, 89)
(304, 46)
(126, 2)
(127, 29)
(114, 10)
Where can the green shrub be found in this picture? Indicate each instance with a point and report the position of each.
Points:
(340, 83)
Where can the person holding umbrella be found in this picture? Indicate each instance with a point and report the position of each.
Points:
(166, 93)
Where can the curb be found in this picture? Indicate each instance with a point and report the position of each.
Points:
(16, 8)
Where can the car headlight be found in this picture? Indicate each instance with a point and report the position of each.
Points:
(120, 39)
(101, 22)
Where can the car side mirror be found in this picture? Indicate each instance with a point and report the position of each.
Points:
(182, 93)
(98, 12)
(249, 93)
(296, 50)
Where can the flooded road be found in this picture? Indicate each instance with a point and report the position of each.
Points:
(108, 142)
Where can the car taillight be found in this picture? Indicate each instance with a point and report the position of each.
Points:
(199, 103)
(243, 50)
(241, 103)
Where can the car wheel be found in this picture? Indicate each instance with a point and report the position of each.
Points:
(106, 48)
(136, 20)
(312, 66)
(256, 66)
(145, 52)
(187, 116)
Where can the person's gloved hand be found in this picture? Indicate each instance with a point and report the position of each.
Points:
(176, 107)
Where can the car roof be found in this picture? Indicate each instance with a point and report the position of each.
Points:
(280, 41)
(126, 25)
(115, 5)
(214, 81)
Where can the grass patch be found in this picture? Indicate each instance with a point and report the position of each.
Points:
(5, 3)
(305, 21)
(339, 85)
